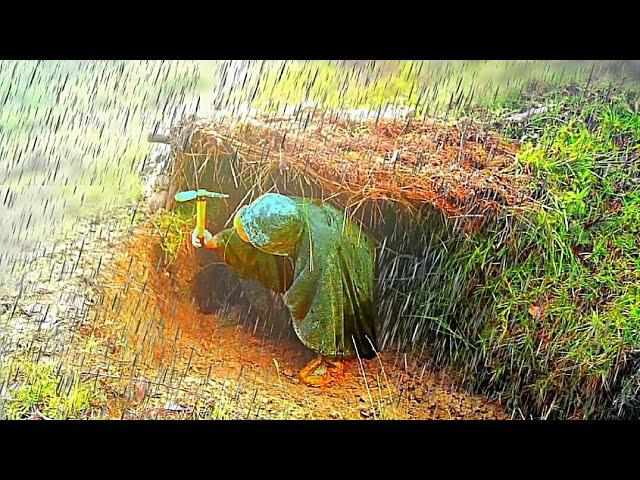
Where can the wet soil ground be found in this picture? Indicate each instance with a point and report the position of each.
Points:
(106, 308)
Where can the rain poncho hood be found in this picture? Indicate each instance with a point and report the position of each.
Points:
(273, 224)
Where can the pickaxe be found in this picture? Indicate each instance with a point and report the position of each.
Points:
(200, 196)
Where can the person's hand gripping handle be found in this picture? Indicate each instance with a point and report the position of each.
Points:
(205, 240)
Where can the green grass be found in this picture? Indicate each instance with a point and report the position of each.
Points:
(39, 388)
(172, 226)
(545, 310)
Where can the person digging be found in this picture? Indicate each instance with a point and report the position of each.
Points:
(321, 263)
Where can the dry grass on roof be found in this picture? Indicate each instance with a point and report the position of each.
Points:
(460, 170)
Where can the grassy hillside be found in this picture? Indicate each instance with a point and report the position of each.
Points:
(545, 309)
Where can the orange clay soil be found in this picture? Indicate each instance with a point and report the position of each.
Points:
(157, 357)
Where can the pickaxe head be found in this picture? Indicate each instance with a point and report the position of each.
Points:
(200, 193)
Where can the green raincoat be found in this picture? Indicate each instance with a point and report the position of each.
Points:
(321, 263)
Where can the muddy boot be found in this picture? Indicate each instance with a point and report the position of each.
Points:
(321, 371)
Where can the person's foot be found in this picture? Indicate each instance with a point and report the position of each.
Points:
(320, 371)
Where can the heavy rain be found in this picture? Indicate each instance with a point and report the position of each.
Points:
(393, 239)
